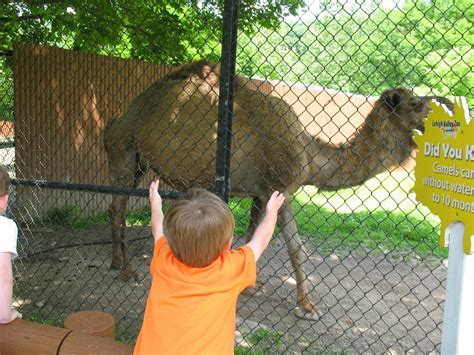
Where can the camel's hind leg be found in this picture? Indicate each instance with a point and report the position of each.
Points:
(258, 208)
(126, 173)
(305, 309)
(117, 222)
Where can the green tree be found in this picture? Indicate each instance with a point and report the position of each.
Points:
(165, 31)
(443, 35)
(366, 48)
(6, 91)
(162, 31)
(363, 48)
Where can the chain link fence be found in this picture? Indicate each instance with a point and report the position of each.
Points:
(92, 103)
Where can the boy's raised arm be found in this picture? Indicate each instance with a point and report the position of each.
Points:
(263, 233)
(156, 210)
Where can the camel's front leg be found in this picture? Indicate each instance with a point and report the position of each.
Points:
(306, 309)
(120, 257)
(258, 208)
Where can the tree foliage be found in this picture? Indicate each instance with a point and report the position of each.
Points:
(424, 44)
(162, 31)
(355, 46)
(165, 31)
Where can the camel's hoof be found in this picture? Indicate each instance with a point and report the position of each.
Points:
(253, 291)
(313, 315)
(115, 266)
(127, 275)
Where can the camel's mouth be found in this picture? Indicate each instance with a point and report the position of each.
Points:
(413, 145)
(423, 108)
(424, 105)
(420, 127)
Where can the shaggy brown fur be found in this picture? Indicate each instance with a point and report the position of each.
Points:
(171, 128)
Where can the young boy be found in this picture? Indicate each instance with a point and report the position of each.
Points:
(8, 236)
(197, 278)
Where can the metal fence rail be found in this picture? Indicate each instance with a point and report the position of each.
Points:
(317, 110)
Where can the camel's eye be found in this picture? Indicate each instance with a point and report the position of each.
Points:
(394, 101)
(413, 104)
(419, 107)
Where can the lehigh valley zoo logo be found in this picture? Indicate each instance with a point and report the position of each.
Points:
(449, 128)
(444, 173)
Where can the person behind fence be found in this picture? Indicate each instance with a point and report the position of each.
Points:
(196, 276)
(8, 237)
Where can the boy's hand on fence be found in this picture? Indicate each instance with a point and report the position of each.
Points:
(275, 202)
(264, 231)
(156, 210)
(155, 198)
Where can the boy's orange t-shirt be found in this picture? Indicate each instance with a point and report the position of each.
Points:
(193, 310)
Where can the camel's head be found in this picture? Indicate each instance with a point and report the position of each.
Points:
(400, 109)
(202, 70)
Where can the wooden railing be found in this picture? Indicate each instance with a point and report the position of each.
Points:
(24, 337)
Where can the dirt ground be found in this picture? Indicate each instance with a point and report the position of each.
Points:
(372, 302)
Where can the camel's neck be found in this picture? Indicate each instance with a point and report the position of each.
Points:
(367, 155)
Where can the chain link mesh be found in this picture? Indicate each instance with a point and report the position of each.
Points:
(366, 248)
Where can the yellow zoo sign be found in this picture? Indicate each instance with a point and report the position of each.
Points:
(444, 172)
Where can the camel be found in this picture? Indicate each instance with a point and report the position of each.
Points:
(171, 128)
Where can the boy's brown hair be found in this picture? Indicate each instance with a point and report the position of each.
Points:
(198, 227)
(4, 181)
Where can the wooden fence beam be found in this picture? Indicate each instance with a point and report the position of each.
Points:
(24, 337)
(85, 344)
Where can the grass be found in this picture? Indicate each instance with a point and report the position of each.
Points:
(38, 317)
(261, 341)
(70, 216)
(385, 217)
(379, 215)
(126, 336)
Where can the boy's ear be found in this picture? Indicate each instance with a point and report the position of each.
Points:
(229, 244)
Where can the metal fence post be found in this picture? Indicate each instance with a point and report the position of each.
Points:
(226, 98)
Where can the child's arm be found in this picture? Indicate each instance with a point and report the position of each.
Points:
(7, 314)
(156, 210)
(264, 231)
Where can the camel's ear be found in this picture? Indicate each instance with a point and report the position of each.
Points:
(392, 98)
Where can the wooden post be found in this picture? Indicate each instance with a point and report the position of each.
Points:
(458, 321)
